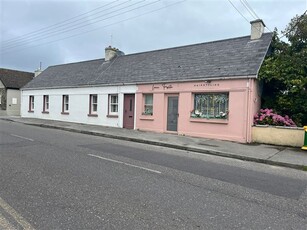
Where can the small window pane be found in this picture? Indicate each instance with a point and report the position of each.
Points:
(114, 108)
(94, 107)
(148, 99)
(94, 99)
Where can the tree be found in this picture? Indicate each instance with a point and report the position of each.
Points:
(284, 72)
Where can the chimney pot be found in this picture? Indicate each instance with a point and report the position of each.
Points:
(112, 52)
(257, 29)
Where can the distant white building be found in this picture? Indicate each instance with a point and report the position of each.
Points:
(72, 92)
(10, 83)
(91, 105)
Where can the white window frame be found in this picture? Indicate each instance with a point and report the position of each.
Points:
(147, 111)
(46, 103)
(31, 103)
(65, 103)
(93, 104)
(114, 113)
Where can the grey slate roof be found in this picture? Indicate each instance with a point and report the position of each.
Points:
(219, 59)
(15, 79)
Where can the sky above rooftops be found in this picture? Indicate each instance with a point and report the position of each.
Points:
(63, 31)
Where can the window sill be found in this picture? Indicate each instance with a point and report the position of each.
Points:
(31, 111)
(112, 116)
(65, 113)
(92, 115)
(147, 117)
(205, 120)
(45, 112)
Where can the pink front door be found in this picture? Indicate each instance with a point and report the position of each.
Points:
(128, 111)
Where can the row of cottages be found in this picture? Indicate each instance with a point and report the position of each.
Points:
(205, 90)
(10, 83)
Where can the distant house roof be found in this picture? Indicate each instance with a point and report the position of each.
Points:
(236, 57)
(14, 79)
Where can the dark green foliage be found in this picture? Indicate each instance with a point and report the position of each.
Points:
(284, 72)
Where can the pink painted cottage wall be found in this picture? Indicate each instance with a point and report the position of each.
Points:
(244, 102)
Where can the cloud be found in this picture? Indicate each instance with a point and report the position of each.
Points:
(186, 23)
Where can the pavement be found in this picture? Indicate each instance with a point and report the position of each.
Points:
(267, 154)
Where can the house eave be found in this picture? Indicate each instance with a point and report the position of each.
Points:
(148, 82)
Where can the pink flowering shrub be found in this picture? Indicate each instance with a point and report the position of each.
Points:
(268, 117)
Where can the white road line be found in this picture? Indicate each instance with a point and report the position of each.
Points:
(6, 207)
(29, 139)
(120, 162)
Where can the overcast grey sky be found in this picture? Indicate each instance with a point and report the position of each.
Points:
(31, 31)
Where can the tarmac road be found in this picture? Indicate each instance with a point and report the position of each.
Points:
(53, 179)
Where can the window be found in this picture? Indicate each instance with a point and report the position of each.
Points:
(93, 104)
(65, 104)
(0, 99)
(31, 103)
(14, 101)
(113, 104)
(45, 103)
(148, 104)
(210, 105)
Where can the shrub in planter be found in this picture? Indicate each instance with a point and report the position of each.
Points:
(269, 117)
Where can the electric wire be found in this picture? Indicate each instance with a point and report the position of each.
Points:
(56, 24)
(244, 16)
(238, 10)
(247, 8)
(79, 25)
(98, 28)
(253, 12)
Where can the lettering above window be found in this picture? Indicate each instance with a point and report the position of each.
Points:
(148, 104)
(210, 105)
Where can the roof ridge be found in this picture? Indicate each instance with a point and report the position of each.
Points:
(162, 49)
(70, 63)
(225, 58)
(196, 44)
(17, 70)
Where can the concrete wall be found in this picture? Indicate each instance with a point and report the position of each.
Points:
(287, 136)
(243, 102)
(78, 104)
(3, 99)
(13, 102)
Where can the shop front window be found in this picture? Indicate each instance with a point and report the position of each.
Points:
(210, 105)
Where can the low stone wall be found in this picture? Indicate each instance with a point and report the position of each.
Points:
(278, 135)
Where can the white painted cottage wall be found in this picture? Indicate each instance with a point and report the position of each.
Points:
(78, 104)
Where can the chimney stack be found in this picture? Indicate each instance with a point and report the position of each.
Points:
(39, 70)
(257, 29)
(111, 52)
